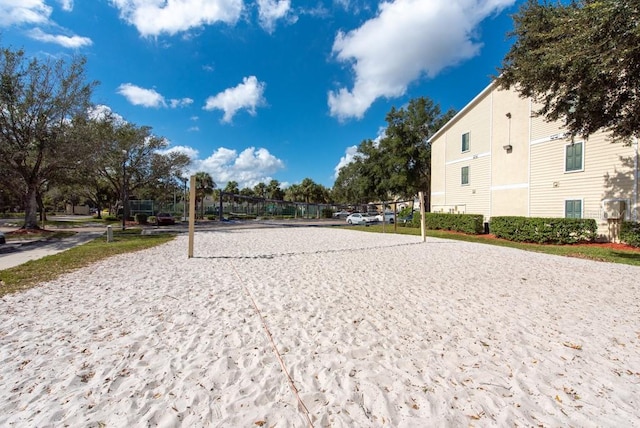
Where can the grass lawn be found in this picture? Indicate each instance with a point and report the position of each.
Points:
(614, 253)
(50, 267)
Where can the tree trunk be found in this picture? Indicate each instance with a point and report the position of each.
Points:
(31, 208)
(43, 213)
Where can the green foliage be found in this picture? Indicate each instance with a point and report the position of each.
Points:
(204, 187)
(212, 217)
(467, 223)
(630, 233)
(399, 164)
(590, 252)
(544, 230)
(29, 274)
(141, 218)
(327, 213)
(307, 191)
(580, 60)
(405, 212)
(43, 103)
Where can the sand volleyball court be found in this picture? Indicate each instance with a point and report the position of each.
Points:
(375, 330)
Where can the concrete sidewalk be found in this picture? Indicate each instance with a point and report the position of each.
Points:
(15, 253)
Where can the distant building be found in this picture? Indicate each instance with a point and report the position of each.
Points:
(496, 158)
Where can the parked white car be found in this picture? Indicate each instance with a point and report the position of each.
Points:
(387, 217)
(341, 214)
(359, 218)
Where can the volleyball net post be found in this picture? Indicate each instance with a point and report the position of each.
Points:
(423, 229)
(192, 213)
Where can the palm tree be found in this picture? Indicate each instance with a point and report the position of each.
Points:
(260, 190)
(204, 187)
(274, 191)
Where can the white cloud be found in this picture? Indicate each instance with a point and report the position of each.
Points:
(101, 112)
(36, 12)
(345, 160)
(248, 168)
(65, 41)
(18, 12)
(140, 96)
(246, 96)
(182, 102)
(189, 151)
(155, 17)
(351, 151)
(407, 40)
(193, 129)
(269, 11)
(66, 5)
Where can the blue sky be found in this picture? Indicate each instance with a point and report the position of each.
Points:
(255, 90)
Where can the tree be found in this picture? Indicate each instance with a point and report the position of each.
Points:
(400, 163)
(293, 193)
(260, 190)
(274, 191)
(129, 158)
(581, 62)
(351, 184)
(232, 187)
(40, 100)
(204, 187)
(406, 147)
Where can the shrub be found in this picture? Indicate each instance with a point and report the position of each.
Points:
(141, 218)
(212, 217)
(543, 230)
(472, 224)
(405, 212)
(151, 219)
(327, 213)
(630, 233)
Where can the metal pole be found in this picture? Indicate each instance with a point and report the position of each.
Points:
(423, 227)
(192, 214)
(184, 204)
(124, 190)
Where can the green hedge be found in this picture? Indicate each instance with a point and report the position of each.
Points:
(630, 233)
(544, 230)
(472, 224)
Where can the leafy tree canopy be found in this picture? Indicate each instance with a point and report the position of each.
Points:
(399, 164)
(40, 102)
(581, 62)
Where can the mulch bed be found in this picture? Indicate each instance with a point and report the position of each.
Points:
(609, 245)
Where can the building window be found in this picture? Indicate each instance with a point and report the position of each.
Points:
(464, 179)
(573, 157)
(465, 142)
(573, 208)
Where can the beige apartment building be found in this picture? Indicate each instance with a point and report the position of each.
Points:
(496, 158)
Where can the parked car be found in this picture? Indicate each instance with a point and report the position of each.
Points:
(341, 214)
(164, 218)
(359, 218)
(387, 217)
(3, 240)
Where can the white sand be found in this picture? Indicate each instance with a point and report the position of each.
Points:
(375, 330)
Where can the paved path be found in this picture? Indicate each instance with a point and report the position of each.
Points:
(16, 253)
